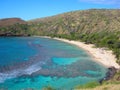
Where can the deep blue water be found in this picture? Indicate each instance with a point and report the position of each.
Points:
(34, 62)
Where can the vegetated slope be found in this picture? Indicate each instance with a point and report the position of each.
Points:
(110, 86)
(97, 26)
(13, 27)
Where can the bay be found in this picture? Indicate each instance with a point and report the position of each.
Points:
(34, 62)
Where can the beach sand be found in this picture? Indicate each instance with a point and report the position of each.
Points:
(100, 55)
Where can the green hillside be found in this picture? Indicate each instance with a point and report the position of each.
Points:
(13, 27)
(97, 26)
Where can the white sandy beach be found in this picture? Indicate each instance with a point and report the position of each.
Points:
(105, 57)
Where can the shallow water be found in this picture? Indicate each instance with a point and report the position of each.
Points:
(34, 62)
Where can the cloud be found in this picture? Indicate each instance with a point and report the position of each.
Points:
(109, 2)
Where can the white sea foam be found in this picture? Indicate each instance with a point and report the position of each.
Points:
(4, 76)
(32, 69)
(15, 73)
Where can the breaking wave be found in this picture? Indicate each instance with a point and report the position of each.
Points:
(19, 72)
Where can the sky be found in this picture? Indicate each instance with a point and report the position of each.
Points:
(32, 9)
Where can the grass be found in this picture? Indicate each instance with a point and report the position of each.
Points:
(96, 86)
(88, 85)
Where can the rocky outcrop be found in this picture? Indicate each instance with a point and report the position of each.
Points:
(110, 74)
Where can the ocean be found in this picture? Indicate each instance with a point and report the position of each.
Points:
(32, 63)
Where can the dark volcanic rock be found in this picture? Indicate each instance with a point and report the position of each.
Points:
(110, 74)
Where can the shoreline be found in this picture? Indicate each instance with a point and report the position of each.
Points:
(100, 55)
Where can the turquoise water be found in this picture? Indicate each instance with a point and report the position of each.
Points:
(65, 61)
(34, 63)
